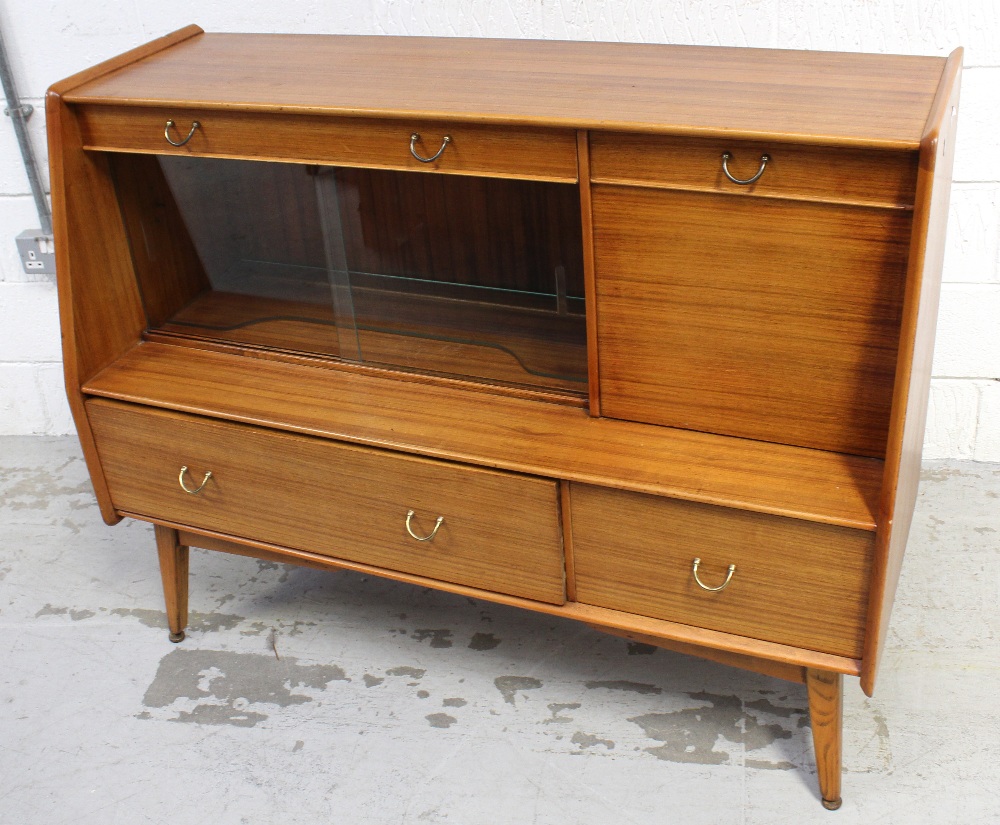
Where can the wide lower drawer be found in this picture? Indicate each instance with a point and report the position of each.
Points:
(472, 149)
(498, 531)
(795, 582)
(835, 174)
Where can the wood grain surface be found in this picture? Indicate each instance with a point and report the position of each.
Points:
(795, 583)
(495, 431)
(500, 531)
(527, 153)
(826, 717)
(168, 270)
(820, 173)
(174, 568)
(816, 97)
(779, 670)
(765, 319)
(439, 336)
(784, 656)
(916, 354)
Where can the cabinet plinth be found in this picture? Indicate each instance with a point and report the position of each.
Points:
(653, 356)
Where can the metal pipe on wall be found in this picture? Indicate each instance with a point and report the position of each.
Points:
(19, 114)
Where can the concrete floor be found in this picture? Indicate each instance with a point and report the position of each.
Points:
(309, 697)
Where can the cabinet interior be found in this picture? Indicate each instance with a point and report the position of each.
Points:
(453, 275)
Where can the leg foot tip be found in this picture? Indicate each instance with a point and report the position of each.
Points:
(179, 637)
(832, 804)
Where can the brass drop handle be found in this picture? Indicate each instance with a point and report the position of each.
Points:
(197, 489)
(166, 133)
(739, 181)
(703, 586)
(413, 148)
(409, 529)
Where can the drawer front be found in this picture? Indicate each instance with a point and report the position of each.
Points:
(836, 174)
(500, 531)
(767, 319)
(493, 151)
(796, 583)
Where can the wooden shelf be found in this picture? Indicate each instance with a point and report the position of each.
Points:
(495, 431)
(444, 336)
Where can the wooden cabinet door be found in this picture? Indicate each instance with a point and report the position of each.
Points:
(766, 318)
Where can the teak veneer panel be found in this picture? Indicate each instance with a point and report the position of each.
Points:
(796, 583)
(817, 97)
(527, 153)
(168, 270)
(916, 354)
(508, 433)
(500, 531)
(766, 319)
(823, 173)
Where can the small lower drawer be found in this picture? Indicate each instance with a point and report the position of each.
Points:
(499, 531)
(796, 582)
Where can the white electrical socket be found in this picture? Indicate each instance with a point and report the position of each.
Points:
(37, 251)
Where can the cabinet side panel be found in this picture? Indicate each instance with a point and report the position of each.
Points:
(107, 312)
(65, 158)
(916, 352)
(167, 266)
(61, 146)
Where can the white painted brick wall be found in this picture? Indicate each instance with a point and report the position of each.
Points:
(952, 415)
(968, 339)
(49, 39)
(972, 251)
(987, 443)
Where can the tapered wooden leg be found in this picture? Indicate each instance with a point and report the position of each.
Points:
(826, 713)
(174, 571)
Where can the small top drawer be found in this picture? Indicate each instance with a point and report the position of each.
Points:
(471, 149)
(824, 173)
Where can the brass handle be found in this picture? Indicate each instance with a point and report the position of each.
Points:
(703, 586)
(166, 133)
(413, 148)
(739, 181)
(199, 488)
(437, 524)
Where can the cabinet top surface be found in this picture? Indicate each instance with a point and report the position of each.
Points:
(816, 97)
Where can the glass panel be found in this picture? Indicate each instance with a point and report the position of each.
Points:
(463, 276)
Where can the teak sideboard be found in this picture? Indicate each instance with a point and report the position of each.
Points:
(636, 335)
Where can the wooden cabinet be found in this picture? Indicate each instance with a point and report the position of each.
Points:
(634, 335)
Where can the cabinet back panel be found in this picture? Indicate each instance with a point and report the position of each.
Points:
(766, 319)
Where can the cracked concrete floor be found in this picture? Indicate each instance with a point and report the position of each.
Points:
(309, 697)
